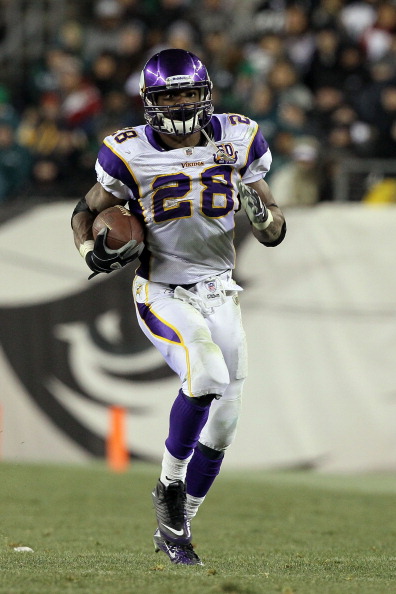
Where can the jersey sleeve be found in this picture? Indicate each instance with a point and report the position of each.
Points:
(113, 172)
(259, 157)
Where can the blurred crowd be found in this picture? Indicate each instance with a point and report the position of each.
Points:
(319, 76)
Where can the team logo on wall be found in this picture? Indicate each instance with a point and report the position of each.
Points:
(80, 350)
(79, 355)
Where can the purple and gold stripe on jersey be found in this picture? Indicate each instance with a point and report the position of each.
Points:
(216, 127)
(257, 149)
(156, 325)
(135, 208)
(114, 165)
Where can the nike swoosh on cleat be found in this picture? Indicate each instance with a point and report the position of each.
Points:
(171, 554)
(177, 532)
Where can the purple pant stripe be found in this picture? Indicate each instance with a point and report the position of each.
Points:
(155, 325)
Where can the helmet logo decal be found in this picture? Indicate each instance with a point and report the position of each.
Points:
(179, 79)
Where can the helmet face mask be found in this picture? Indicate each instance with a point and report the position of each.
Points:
(176, 70)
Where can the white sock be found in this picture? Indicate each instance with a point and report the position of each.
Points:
(192, 505)
(173, 469)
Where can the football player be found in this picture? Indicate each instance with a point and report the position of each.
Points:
(185, 173)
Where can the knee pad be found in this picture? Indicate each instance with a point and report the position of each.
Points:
(220, 429)
(207, 369)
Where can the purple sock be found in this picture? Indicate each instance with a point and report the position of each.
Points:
(201, 472)
(185, 425)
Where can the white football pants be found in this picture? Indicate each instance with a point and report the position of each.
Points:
(200, 335)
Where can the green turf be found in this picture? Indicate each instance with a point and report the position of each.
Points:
(271, 532)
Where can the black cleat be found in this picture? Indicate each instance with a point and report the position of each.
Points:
(170, 509)
(180, 554)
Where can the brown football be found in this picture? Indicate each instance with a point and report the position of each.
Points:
(121, 224)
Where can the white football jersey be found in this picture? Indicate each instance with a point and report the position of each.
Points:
(187, 196)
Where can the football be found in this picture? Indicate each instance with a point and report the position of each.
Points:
(122, 226)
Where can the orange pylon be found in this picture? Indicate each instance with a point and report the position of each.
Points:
(116, 449)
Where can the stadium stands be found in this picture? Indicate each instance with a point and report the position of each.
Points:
(325, 69)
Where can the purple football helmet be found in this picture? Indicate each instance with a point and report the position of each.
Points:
(171, 70)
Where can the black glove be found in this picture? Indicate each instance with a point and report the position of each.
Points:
(104, 259)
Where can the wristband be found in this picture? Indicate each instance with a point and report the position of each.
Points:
(267, 222)
(86, 247)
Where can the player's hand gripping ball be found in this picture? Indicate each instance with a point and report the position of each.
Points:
(121, 227)
(118, 236)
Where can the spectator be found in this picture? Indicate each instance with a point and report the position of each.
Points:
(327, 99)
(103, 33)
(168, 12)
(323, 68)
(390, 55)
(263, 110)
(136, 10)
(367, 102)
(262, 55)
(385, 119)
(211, 16)
(299, 183)
(294, 118)
(282, 147)
(223, 56)
(131, 49)
(40, 128)
(117, 113)
(181, 35)
(298, 36)
(46, 181)
(80, 98)
(160, 17)
(356, 17)
(361, 136)
(104, 72)
(44, 75)
(326, 14)
(53, 146)
(353, 74)
(71, 37)
(43, 131)
(15, 163)
(285, 83)
(377, 39)
(8, 114)
(340, 142)
(269, 17)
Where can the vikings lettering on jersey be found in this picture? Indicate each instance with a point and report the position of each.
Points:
(189, 232)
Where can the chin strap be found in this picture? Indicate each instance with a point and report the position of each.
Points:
(220, 153)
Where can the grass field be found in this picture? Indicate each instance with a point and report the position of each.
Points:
(260, 532)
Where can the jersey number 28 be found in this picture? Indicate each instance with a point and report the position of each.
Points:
(171, 201)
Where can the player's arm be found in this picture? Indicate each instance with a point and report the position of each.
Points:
(268, 222)
(96, 200)
(97, 255)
